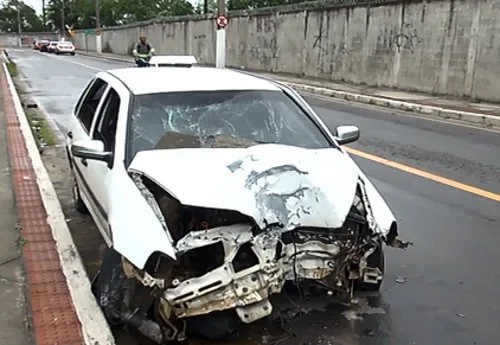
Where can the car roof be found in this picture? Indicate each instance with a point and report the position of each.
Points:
(178, 79)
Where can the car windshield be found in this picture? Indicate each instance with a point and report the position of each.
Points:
(220, 119)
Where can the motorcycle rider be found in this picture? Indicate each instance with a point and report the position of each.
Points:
(143, 52)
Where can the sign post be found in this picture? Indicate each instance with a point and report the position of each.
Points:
(98, 37)
(220, 48)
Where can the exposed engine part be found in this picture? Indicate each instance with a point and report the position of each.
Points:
(147, 280)
(180, 219)
(224, 261)
(151, 200)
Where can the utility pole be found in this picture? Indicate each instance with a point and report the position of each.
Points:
(18, 20)
(43, 15)
(98, 38)
(205, 6)
(18, 7)
(220, 48)
(63, 31)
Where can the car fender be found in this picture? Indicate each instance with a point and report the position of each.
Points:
(136, 231)
(381, 212)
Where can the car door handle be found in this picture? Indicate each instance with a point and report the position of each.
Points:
(84, 162)
(70, 134)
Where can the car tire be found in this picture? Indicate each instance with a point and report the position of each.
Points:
(77, 199)
(72, 54)
(108, 286)
(377, 260)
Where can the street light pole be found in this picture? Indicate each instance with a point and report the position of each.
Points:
(220, 48)
(98, 38)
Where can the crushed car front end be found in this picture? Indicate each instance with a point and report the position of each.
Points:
(244, 265)
(274, 220)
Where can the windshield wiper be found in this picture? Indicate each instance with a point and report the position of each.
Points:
(264, 142)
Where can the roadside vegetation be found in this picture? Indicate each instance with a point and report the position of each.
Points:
(12, 67)
(42, 132)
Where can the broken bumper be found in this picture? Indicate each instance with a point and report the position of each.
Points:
(247, 290)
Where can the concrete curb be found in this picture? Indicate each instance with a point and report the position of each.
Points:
(477, 119)
(474, 118)
(95, 328)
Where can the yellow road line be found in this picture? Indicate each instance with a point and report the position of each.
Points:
(433, 177)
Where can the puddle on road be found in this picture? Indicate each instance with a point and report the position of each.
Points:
(316, 321)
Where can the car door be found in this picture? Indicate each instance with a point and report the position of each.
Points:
(100, 173)
(80, 128)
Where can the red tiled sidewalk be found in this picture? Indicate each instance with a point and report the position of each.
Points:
(55, 321)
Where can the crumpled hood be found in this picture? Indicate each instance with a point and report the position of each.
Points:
(270, 183)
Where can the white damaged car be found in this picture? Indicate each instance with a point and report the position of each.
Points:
(213, 189)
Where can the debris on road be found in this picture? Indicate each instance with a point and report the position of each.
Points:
(401, 279)
(369, 332)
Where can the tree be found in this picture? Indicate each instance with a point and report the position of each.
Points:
(81, 13)
(253, 4)
(211, 6)
(30, 21)
(131, 11)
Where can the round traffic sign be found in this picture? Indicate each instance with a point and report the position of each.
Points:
(222, 21)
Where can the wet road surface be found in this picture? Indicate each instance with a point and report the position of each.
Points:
(442, 291)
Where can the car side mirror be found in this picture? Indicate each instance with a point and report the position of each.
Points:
(346, 134)
(91, 149)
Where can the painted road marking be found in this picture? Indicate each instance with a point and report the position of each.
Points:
(73, 62)
(433, 177)
(408, 169)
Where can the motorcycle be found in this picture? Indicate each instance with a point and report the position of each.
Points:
(141, 62)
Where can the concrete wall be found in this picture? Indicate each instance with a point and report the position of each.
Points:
(27, 39)
(449, 47)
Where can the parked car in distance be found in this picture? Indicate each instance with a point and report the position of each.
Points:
(43, 45)
(65, 47)
(51, 48)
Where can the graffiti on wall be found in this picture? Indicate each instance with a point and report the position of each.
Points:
(320, 41)
(333, 52)
(406, 39)
(266, 51)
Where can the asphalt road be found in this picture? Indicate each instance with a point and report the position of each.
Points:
(444, 290)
